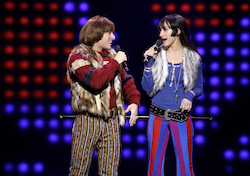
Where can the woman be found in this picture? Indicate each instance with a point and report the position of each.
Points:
(173, 78)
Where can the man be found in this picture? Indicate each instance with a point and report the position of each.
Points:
(98, 85)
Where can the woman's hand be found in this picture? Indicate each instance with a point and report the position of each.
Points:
(150, 52)
(186, 105)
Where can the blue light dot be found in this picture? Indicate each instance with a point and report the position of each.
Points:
(24, 123)
(141, 124)
(230, 52)
(141, 139)
(53, 138)
(24, 108)
(54, 109)
(214, 81)
(53, 123)
(215, 66)
(244, 66)
(229, 95)
(244, 52)
(214, 110)
(245, 37)
(67, 94)
(141, 153)
(229, 81)
(214, 125)
(215, 52)
(229, 169)
(82, 21)
(68, 123)
(126, 138)
(9, 108)
(69, 6)
(156, 21)
(142, 109)
(199, 125)
(201, 51)
(8, 167)
(84, 7)
(244, 81)
(67, 138)
(39, 123)
(38, 167)
(214, 95)
(244, 140)
(215, 37)
(230, 37)
(68, 109)
(229, 154)
(202, 97)
(200, 37)
(39, 109)
(126, 125)
(199, 139)
(245, 22)
(244, 154)
(199, 110)
(229, 66)
(23, 167)
(126, 153)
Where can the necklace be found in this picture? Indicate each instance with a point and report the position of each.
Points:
(176, 93)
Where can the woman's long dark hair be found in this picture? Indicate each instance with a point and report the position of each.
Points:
(177, 21)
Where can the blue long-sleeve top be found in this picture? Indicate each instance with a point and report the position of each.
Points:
(165, 98)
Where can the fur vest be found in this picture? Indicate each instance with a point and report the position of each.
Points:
(191, 62)
(90, 101)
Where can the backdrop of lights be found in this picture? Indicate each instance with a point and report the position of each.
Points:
(36, 37)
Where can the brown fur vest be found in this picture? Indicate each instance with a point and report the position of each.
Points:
(85, 100)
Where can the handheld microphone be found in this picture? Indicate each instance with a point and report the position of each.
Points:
(156, 46)
(124, 64)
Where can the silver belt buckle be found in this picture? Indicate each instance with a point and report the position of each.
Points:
(166, 114)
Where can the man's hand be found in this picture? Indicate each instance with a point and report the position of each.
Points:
(133, 108)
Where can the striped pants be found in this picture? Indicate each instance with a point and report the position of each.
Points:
(158, 133)
(89, 134)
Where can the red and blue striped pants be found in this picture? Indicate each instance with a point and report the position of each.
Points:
(89, 134)
(158, 133)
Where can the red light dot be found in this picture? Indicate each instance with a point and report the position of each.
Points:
(65, 80)
(38, 21)
(229, 7)
(53, 6)
(24, 64)
(9, 49)
(24, 35)
(199, 22)
(9, 79)
(24, 20)
(9, 5)
(200, 7)
(229, 22)
(214, 22)
(170, 7)
(53, 94)
(23, 94)
(9, 20)
(53, 79)
(38, 50)
(156, 7)
(38, 94)
(66, 50)
(8, 35)
(244, 7)
(23, 50)
(9, 64)
(38, 6)
(53, 21)
(23, 79)
(215, 7)
(24, 6)
(38, 36)
(38, 79)
(67, 21)
(39, 64)
(53, 50)
(185, 7)
(9, 94)
(188, 21)
(68, 36)
(53, 35)
(53, 65)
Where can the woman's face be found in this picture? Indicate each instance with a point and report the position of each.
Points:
(165, 35)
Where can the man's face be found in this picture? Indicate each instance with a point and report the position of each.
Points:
(105, 42)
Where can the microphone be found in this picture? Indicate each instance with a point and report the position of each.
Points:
(156, 46)
(124, 64)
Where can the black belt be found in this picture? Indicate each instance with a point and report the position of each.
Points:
(168, 114)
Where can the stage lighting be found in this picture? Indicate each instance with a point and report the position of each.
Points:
(53, 6)
(53, 138)
(156, 7)
(126, 153)
(126, 138)
(244, 81)
(229, 154)
(215, 66)
(9, 64)
(53, 123)
(141, 124)
(199, 125)
(229, 81)
(38, 167)
(67, 109)
(141, 154)
(82, 21)
(69, 6)
(215, 95)
(185, 7)
(39, 123)
(67, 138)
(214, 110)
(229, 7)
(230, 52)
(244, 154)
(201, 51)
(200, 7)
(229, 66)
(199, 110)
(215, 51)
(244, 140)
(230, 37)
(214, 81)
(39, 109)
(229, 95)
(245, 37)
(244, 66)
(24, 35)
(38, 6)
(54, 108)
(24, 20)
(39, 64)
(214, 22)
(8, 167)
(244, 52)
(24, 108)
(9, 49)
(84, 7)
(215, 7)
(215, 37)
(170, 7)
(199, 139)
(141, 139)
(68, 123)
(245, 22)
(23, 167)
(200, 37)
(24, 123)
